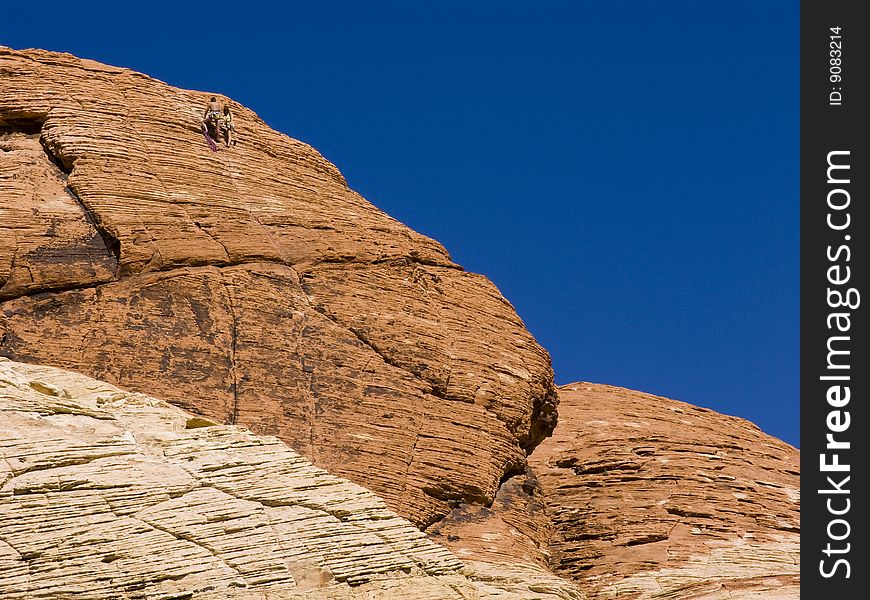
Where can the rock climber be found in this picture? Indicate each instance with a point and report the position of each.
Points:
(212, 111)
(212, 117)
(229, 127)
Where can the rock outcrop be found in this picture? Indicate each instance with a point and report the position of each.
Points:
(252, 286)
(654, 498)
(111, 494)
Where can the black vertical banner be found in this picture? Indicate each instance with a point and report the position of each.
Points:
(835, 369)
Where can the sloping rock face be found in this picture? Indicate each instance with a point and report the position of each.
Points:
(110, 494)
(252, 286)
(654, 498)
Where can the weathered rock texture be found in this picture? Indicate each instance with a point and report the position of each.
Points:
(654, 498)
(111, 494)
(252, 286)
(514, 529)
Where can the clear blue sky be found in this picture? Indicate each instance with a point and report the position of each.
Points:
(625, 172)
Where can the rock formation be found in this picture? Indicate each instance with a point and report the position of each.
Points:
(252, 286)
(110, 494)
(654, 498)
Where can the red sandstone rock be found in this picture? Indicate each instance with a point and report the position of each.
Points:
(48, 240)
(251, 285)
(650, 498)
(254, 287)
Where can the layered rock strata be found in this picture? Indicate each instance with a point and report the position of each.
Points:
(252, 286)
(110, 494)
(654, 498)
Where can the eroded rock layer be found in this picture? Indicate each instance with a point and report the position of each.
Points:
(110, 494)
(654, 498)
(252, 286)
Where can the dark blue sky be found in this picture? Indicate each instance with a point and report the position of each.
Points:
(625, 172)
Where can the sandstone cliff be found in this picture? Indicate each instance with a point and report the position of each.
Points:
(654, 498)
(252, 286)
(110, 494)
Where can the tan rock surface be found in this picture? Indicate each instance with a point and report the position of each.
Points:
(252, 286)
(111, 494)
(654, 498)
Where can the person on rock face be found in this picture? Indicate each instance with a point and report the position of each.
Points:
(229, 127)
(213, 109)
(212, 116)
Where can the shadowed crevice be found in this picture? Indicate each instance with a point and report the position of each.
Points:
(22, 122)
